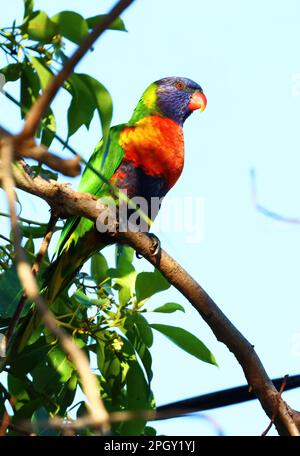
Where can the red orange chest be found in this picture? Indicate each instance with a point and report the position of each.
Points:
(155, 144)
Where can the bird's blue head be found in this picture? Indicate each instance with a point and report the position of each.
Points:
(175, 98)
(178, 97)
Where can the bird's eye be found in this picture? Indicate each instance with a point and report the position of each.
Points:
(179, 85)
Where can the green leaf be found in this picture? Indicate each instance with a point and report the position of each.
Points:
(169, 307)
(124, 280)
(67, 394)
(61, 363)
(117, 24)
(28, 8)
(110, 367)
(124, 255)
(30, 357)
(149, 283)
(30, 88)
(49, 129)
(12, 72)
(137, 340)
(27, 409)
(146, 359)
(82, 106)
(99, 268)
(29, 246)
(43, 72)
(83, 299)
(124, 274)
(150, 431)
(46, 173)
(40, 27)
(102, 102)
(25, 403)
(82, 410)
(71, 25)
(138, 398)
(17, 388)
(144, 331)
(46, 379)
(10, 292)
(42, 415)
(187, 341)
(34, 232)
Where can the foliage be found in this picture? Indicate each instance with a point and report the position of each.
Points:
(105, 312)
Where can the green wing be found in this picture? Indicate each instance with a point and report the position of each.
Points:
(90, 182)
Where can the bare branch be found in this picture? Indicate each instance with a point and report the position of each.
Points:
(276, 411)
(29, 149)
(6, 419)
(37, 111)
(69, 167)
(45, 243)
(89, 383)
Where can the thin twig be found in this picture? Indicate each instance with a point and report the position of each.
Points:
(89, 383)
(29, 149)
(4, 250)
(283, 385)
(22, 219)
(35, 114)
(68, 167)
(264, 210)
(4, 237)
(6, 418)
(45, 243)
(20, 430)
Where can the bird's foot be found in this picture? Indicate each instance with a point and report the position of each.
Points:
(155, 247)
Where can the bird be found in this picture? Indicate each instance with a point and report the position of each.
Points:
(143, 157)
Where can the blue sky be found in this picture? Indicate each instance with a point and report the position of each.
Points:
(245, 55)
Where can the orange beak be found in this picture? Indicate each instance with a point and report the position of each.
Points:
(198, 101)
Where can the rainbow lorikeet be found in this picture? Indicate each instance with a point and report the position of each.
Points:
(145, 157)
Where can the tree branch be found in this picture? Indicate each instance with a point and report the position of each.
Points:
(69, 167)
(69, 202)
(28, 148)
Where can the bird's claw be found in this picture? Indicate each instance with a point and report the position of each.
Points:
(155, 247)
